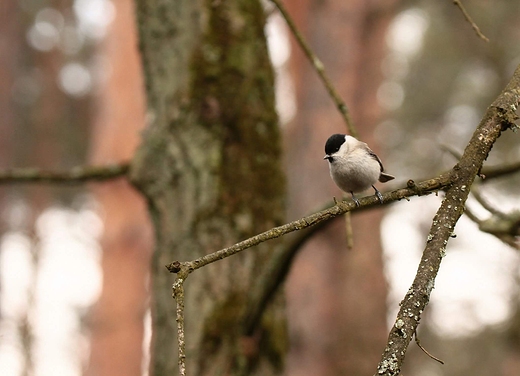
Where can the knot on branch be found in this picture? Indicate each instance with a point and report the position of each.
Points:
(174, 267)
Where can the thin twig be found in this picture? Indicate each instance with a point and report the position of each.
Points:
(426, 351)
(489, 173)
(76, 175)
(318, 66)
(499, 117)
(470, 20)
(486, 204)
(349, 233)
(178, 295)
(506, 238)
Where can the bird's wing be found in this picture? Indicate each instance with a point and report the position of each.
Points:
(383, 177)
(373, 155)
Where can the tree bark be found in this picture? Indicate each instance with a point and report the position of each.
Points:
(210, 168)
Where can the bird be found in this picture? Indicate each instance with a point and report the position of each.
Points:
(353, 166)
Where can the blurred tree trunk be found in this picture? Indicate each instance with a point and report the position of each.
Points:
(336, 297)
(117, 320)
(211, 171)
(11, 33)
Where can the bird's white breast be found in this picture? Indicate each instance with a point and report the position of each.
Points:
(356, 171)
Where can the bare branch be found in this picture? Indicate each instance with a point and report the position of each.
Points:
(274, 274)
(426, 351)
(485, 203)
(470, 20)
(495, 172)
(412, 189)
(318, 66)
(178, 295)
(498, 117)
(488, 173)
(77, 175)
(504, 229)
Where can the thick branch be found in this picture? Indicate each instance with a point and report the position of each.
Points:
(499, 116)
(77, 175)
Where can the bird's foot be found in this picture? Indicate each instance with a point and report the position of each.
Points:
(355, 199)
(378, 195)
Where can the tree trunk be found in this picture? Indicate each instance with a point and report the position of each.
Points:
(117, 320)
(210, 169)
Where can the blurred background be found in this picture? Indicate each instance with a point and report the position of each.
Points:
(416, 78)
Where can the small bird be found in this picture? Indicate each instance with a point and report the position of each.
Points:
(354, 167)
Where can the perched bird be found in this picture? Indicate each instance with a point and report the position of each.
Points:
(354, 167)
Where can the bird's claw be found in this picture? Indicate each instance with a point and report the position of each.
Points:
(378, 195)
(356, 201)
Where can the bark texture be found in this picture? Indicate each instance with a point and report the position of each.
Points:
(210, 169)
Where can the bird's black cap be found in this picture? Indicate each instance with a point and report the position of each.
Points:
(334, 143)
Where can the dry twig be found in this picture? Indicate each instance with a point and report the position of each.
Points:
(426, 351)
(178, 295)
(470, 20)
(318, 66)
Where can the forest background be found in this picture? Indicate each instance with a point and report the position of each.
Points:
(75, 290)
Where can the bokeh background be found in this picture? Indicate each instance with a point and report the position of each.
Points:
(74, 260)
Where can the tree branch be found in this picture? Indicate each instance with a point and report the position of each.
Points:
(498, 117)
(274, 274)
(470, 20)
(504, 229)
(413, 189)
(178, 295)
(318, 66)
(490, 173)
(77, 175)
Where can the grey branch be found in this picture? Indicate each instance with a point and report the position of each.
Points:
(498, 117)
(76, 175)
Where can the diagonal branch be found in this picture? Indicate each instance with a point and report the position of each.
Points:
(318, 66)
(470, 20)
(77, 175)
(498, 117)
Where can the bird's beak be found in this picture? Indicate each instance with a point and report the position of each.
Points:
(326, 156)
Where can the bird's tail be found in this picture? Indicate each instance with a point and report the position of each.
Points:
(383, 178)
